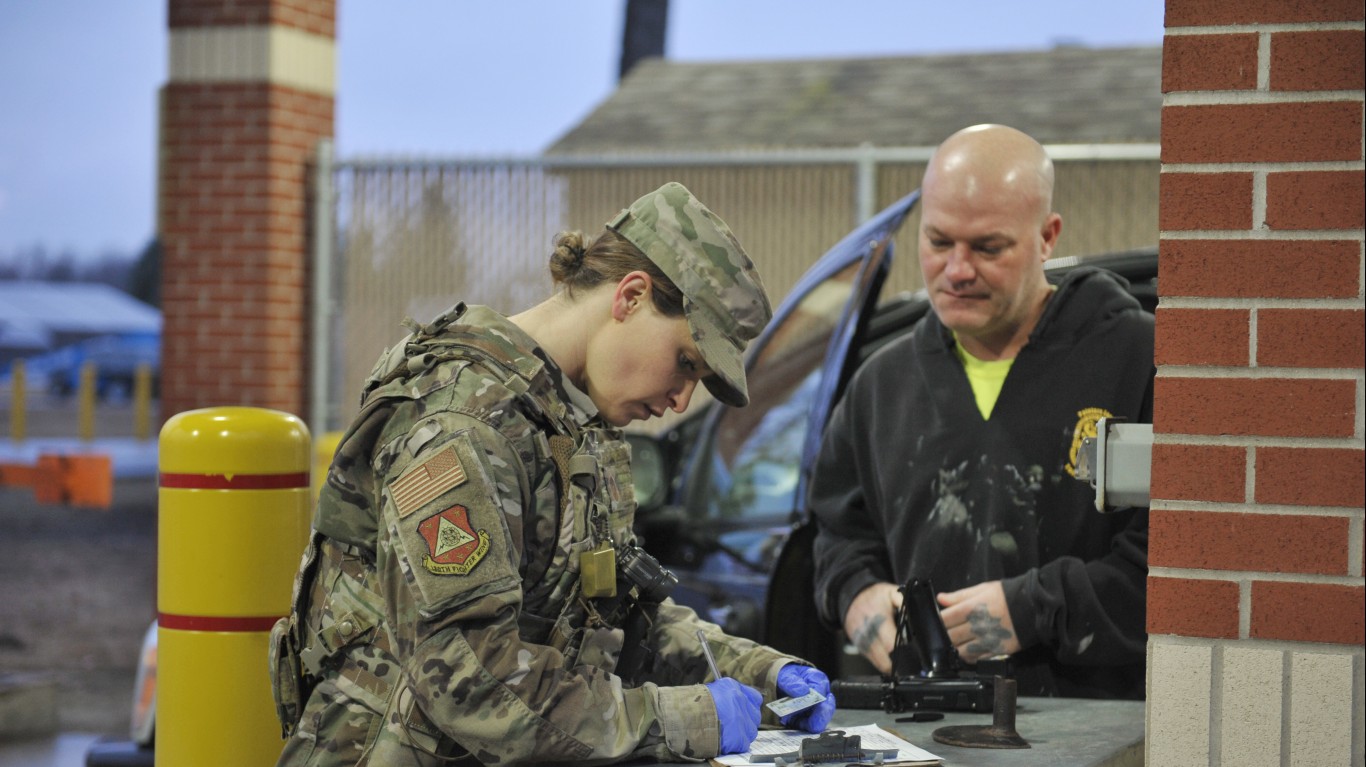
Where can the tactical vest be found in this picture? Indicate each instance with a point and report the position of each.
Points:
(592, 468)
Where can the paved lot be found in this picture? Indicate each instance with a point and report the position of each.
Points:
(79, 585)
(80, 592)
(63, 750)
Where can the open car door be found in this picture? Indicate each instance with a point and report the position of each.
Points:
(798, 372)
(741, 483)
(790, 622)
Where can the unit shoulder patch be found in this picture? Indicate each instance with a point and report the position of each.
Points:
(454, 547)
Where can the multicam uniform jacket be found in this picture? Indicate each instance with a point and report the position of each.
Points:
(441, 614)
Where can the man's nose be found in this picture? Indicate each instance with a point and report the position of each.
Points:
(679, 399)
(959, 266)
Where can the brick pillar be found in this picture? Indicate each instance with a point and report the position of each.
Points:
(1255, 593)
(250, 94)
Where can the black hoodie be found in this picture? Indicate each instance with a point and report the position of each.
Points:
(912, 481)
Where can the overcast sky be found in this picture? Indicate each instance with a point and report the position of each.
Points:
(79, 78)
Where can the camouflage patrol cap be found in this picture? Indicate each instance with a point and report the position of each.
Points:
(723, 297)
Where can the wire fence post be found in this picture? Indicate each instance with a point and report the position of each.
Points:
(319, 404)
(865, 184)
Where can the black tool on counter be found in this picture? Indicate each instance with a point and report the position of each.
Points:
(927, 672)
(1000, 734)
(830, 747)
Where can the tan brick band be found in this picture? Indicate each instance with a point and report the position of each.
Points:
(273, 54)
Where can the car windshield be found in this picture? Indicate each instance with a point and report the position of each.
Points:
(753, 469)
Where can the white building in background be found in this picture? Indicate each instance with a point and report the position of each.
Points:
(48, 315)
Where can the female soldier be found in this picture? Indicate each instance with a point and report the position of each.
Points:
(473, 592)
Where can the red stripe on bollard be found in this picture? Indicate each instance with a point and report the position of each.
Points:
(235, 482)
(209, 623)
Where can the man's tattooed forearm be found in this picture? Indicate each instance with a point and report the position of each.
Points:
(867, 633)
(990, 636)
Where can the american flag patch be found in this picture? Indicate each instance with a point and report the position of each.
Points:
(427, 480)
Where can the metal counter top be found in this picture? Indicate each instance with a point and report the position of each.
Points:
(1061, 731)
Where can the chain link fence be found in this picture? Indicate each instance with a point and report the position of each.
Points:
(410, 237)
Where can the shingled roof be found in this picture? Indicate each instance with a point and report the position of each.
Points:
(1068, 95)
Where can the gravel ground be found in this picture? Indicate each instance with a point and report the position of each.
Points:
(79, 590)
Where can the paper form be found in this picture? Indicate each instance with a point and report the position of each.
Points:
(773, 742)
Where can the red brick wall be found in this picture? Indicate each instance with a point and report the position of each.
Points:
(1258, 471)
(233, 219)
(316, 16)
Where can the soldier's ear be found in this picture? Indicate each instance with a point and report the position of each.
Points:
(631, 293)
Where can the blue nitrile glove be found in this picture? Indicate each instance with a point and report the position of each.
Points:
(737, 709)
(796, 681)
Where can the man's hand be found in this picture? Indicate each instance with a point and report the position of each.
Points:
(978, 621)
(870, 623)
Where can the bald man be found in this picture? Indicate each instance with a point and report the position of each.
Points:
(950, 456)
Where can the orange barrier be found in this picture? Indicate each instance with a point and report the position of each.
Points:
(85, 480)
(233, 522)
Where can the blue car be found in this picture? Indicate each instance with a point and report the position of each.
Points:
(722, 493)
(116, 358)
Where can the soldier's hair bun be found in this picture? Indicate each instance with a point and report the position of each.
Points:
(567, 258)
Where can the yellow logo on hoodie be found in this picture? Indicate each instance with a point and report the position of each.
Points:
(1086, 427)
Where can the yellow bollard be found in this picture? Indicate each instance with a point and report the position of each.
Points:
(86, 401)
(18, 427)
(142, 401)
(324, 448)
(234, 520)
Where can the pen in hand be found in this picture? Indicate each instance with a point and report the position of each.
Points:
(711, 660)
(738, 710)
